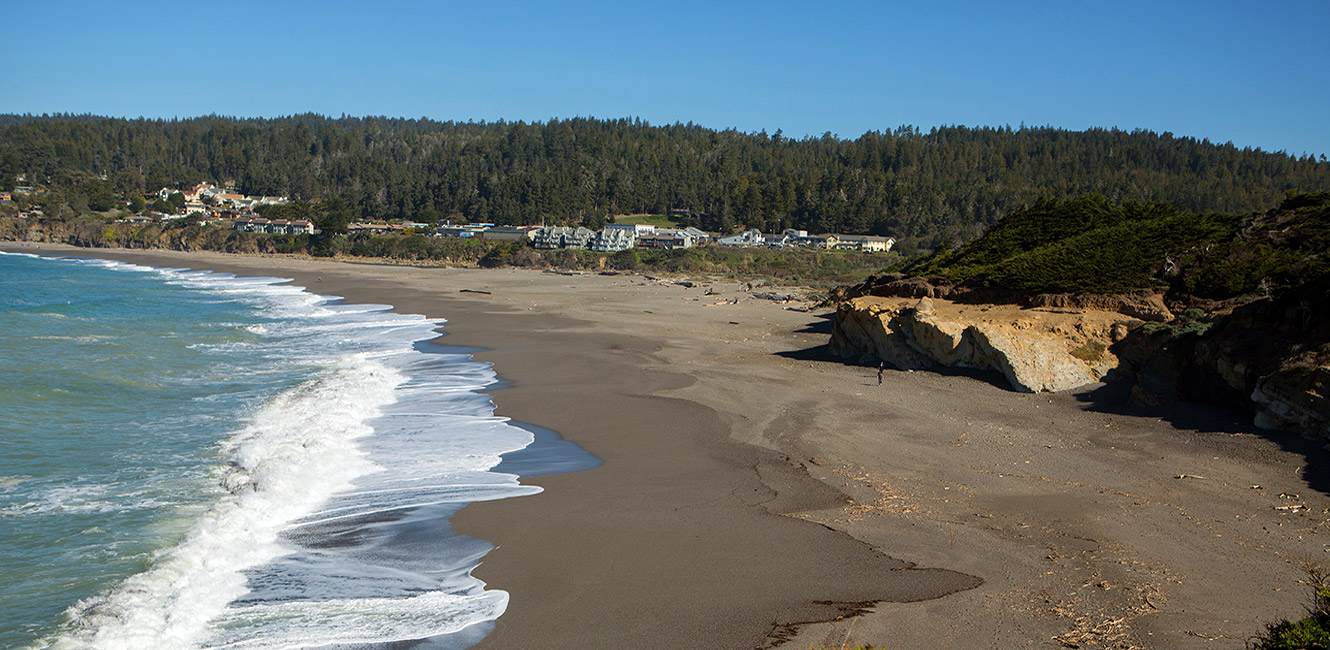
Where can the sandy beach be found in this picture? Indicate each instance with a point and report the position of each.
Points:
(755, 492)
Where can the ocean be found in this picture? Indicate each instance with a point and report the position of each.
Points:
(198, 460)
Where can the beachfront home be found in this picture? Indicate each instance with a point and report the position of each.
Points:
(273, 226)
(815, 241)
(509, 233)
(463, 232)
(864, 243)
(699, 236)
(251, 224)
(562, 237)
(636, 229)
(613, 240)
(667, 239)
(751, 237)
(369, 228)
(291, 227)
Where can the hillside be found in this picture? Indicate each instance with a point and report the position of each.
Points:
(1088, 245)
(949, 183)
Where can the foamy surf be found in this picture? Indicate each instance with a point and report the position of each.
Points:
(329, 525)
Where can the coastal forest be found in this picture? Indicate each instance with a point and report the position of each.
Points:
(924, 188)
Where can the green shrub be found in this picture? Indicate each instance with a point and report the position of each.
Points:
(1091, 352)
(1311, 631)
(500, 255)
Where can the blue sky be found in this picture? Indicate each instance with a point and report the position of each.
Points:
(1253, 73)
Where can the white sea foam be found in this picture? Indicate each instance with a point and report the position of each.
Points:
(302, 624)
(321, 480)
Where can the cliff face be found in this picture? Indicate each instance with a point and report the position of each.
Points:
(1035, 349)
(1271, 358)
(1276, 352)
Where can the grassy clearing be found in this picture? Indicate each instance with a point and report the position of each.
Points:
(657, 220)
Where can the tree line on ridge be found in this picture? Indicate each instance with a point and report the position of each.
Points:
(946, 184)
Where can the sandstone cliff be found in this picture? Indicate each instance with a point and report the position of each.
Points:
(1040, 349)
(1270, 358)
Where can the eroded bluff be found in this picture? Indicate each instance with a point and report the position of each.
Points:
(1039, 349)
(1270, 358)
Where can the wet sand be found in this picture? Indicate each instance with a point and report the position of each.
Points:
(750, 484)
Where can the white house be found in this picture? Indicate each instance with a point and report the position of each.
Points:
(746, 238)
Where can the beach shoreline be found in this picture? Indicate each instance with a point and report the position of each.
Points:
(748, 482)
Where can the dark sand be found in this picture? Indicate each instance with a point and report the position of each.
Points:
(748, 481)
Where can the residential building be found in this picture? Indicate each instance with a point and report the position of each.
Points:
(250, 224)
(818, 241)
(746, 238)
(509, 233)
(369, 228)
(273, 226)
(194, 193)
(666, 238)
(865, 243)
(456, 231)
(637, 229)
(562, 237)
(699, 236)
(613, 240)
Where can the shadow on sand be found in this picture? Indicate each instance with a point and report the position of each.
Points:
(1114, 397)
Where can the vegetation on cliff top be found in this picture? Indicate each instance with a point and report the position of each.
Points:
(1091, 245)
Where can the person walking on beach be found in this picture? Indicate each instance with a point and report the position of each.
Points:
(881, 367)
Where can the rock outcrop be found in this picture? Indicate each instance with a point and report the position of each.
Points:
(1270, 358)
(1295, 401)
(1036, 350)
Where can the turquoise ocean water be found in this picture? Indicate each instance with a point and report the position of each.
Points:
(196, 460)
